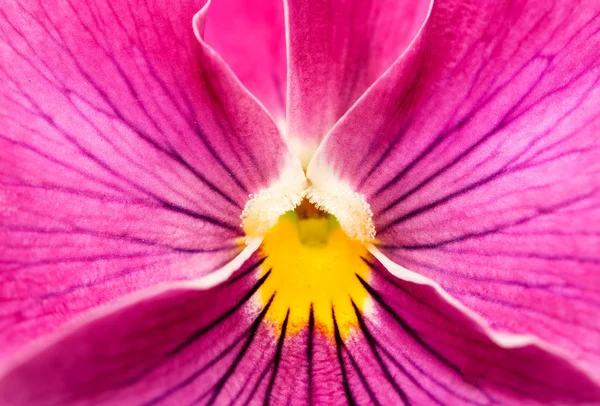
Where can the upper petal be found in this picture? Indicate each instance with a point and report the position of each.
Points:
(479, 158)
(250, 36)
(336, 49)
(127, 152)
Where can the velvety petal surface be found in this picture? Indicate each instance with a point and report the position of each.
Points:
(478, 153)
(336, 50)
(127, 152)
(221, 346)
(250, 36)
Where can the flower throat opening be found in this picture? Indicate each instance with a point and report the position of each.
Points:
(314, 268)
(314, 226)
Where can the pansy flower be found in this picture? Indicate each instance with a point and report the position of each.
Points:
(313, 202)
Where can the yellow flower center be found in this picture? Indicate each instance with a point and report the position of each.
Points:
(313, 264)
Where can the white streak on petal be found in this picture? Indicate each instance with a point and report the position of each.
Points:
(303, 147)
(225, 272)
(505, 340)
(264, 208)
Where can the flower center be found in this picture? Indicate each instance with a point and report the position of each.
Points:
(313, 269)
(324, 190)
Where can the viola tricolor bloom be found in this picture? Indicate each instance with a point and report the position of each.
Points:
(308, 202)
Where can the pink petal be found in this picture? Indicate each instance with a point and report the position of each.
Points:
(127, 152)
(422, 345)
(478, 153)
(135, 353)
(215, 346)
(250, 36)
(336, 50)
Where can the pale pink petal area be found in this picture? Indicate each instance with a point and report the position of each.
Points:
(478, 153)
(220, 345)
(250, 36)
(127, 153)
(336, 50)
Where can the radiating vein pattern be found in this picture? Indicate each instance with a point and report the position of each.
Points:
(221, 346)
(126, 156)
(128, 150)
(483, 167)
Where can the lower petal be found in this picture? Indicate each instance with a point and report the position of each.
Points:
(222, 345)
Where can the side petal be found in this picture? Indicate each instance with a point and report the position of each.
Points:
(127, 153)
(216, 346)
(172, 344)
(250, 36)
(336, 50)
(417, 345)
(479, 158)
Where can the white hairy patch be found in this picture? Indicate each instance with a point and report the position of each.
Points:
(332, 195)
(327, 193)
(264, 208)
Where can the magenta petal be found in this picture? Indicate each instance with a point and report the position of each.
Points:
(420, 348)
(219, 345)
(127, 152)
(250, 36)
(336, 50)
(172, 345)
(478, 153)
(184, 345)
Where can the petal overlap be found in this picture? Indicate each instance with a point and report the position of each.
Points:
(250, 36)
(478, 153)
(127, 152)
(336, 50)
(215, 345)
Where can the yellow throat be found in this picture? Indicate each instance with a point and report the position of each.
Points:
(313, 263)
